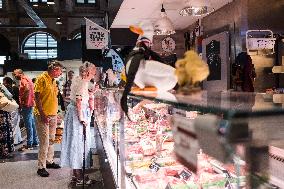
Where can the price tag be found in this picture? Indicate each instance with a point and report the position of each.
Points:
(185, 175)
(154, 166)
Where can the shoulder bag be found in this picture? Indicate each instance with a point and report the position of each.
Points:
(7, 104)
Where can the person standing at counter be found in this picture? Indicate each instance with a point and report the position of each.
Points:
(6, 133)
(244, 73)
(26, 102)
(78, 115)
(15, 115)
(46, 116)
(249, 75)
(67, 88)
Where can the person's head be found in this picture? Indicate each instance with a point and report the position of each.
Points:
(34, 80)
(145, 30)
(144, 41)
(70, 74)
(54, 69)
(87, 71)
(243, 59)
(249, 59)
(7, 82)
(18, 74)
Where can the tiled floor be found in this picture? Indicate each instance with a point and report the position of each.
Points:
(20, 173)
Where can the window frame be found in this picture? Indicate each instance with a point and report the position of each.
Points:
(86, 3)
(77, 36)
(39, 2)
(35, 48)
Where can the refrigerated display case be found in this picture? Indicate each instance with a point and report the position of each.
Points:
(202, 140)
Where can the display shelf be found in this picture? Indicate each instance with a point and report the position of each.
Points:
(138, 164)
(112, 157)
(231, 104)
(210, 118)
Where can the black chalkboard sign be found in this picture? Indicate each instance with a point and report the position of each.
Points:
(154, 166)
(214, 60)
(185, 175)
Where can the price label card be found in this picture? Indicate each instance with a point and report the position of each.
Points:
(155, 166)
(185, 175)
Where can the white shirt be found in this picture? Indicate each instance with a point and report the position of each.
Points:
(79, 90)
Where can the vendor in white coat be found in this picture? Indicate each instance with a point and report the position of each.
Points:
(145, 67)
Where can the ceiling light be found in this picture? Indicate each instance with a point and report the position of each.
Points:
(35, 5)
(164, 25)
(193, 9)
(58, 21)
(50, 2)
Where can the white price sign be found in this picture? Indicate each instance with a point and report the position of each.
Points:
(260, 43)
(186, 143)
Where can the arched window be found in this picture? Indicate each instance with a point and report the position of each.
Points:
(77, 36)
(40, 45)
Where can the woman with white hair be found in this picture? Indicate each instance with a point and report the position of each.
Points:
(78, 115)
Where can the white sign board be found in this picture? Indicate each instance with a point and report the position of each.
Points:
(96, 36)
(260, 43)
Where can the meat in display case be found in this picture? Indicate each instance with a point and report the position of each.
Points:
(151, 160)
(173, 144)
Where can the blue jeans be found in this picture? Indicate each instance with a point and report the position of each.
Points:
(27, 113)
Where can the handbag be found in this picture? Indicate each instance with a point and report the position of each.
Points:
(7, 104)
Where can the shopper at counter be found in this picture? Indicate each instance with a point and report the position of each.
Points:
(15, 115)
(46, 116)
(26, 102)
(6, 134)
(67, 88)
(78, 115)
(14, 90)
(244, 73)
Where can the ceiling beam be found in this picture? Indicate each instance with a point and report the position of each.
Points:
(32, 14)
(18, 26)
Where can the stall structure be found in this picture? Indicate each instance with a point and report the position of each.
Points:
(202, 140)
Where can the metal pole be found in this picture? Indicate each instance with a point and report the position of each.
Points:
(84, 154)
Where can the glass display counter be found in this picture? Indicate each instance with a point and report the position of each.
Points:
(202, 140)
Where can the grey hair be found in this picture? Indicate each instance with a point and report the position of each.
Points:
(87, 66)
(54, 64)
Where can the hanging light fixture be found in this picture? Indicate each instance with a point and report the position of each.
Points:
(191, 10)
(58, 21)
(50, 2)
(164, 25)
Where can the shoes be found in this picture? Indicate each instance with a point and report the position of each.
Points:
(52, 166)
(19, 143)
(24, 148)
(42, 172)
(35, 145)
(29, 147)
(6, 156)
(79, 182)
(9, 156)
